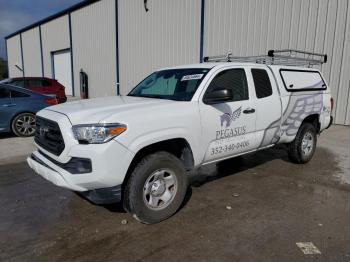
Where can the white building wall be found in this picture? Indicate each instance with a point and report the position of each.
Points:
(55, 37)
(31, 52)
(14, 56)
(252, 27)
(94, 47)
(167, 35)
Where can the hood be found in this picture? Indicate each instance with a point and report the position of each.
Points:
(95, 110)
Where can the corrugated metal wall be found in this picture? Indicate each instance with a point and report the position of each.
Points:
(55, 36)
(251, 27)
(14, 56)
(94, 47)
(31, 52)
(168, 34)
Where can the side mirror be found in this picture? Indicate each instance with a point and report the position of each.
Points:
(218, 95)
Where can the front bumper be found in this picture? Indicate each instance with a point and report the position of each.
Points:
(109, 161)
(98, 196)
(103, 196)
(47, 172)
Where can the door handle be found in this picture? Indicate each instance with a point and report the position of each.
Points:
(249, 111)
(9, 105)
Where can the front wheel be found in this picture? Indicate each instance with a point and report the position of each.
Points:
(302, 149)
(156, 188)
(24, 125)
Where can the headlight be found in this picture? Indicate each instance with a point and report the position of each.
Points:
(97, 133)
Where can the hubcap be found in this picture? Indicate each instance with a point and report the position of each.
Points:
(25, 125)
(160, 189)
(307, 144)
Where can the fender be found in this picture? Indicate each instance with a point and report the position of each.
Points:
(156, 136)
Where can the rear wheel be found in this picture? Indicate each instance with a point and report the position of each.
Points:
(302, 149)
(156, 188)
(24, 125)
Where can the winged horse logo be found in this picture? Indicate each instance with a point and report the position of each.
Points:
(228, 118)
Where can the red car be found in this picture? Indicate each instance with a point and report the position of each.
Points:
(41, 85)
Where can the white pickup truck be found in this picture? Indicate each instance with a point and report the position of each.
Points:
(138, 148)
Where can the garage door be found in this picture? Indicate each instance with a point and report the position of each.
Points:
(62, 70)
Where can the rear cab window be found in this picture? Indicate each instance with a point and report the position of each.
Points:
(262, 83)
(302, 80)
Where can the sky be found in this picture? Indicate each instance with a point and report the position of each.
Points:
(16, 14)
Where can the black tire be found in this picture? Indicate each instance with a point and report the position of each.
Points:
(23, 125)
(295, 149)
(134, 195)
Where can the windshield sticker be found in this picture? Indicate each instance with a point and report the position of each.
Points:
(192, 77)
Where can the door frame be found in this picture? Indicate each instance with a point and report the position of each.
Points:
(56, 52)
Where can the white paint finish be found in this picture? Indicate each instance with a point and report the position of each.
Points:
(271, 27)
(14, 56)
(311, 25)
(55, 36)
(31, 52)
(315, 25)
(303, 24)
(345, 79)
(94, 47)
(342, 106)
(279, 23)
(294, 31)
(152, 120)
(62, 70)
(329, 36)
(221, 139)
(301, 80)
(287, 23)
(167, 35)
(338, 54)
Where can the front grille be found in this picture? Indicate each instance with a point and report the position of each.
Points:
(48, 135)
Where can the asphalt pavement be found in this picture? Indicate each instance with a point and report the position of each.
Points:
(258, 207)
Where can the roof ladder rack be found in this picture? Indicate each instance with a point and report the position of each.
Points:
(288, 57)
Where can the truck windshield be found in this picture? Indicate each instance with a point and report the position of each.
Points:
(173, 84)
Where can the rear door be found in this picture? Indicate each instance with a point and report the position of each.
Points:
(228, 128)
(268, 106)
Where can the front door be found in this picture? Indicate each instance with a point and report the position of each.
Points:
(228, 128)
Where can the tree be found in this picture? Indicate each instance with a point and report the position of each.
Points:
(3, 69)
